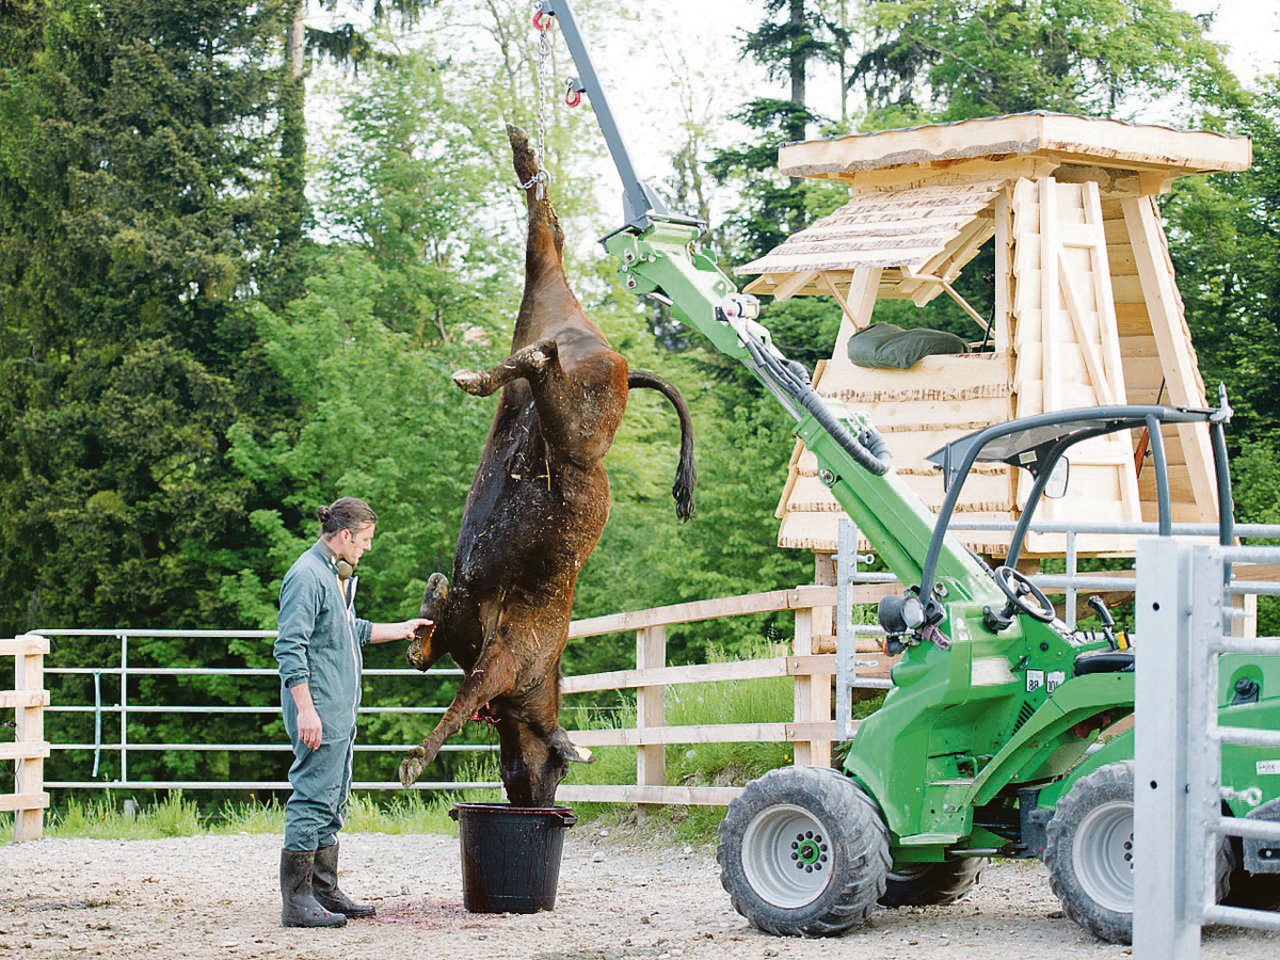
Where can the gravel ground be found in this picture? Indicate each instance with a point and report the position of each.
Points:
(619, 899)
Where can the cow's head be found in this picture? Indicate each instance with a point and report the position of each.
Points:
(533, 765)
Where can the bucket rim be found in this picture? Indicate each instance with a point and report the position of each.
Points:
(476, 807)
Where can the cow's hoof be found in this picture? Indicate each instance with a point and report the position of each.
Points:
(410, 771)
(435, 593)
(470, 381)
(418, 653)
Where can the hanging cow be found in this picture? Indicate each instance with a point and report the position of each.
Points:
(537, 506)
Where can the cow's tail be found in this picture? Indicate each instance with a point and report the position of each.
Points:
(686, 473)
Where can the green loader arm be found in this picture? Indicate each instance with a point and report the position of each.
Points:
(662, 259)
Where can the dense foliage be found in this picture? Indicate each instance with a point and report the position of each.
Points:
(197, 350)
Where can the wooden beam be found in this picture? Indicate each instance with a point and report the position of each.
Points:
(27, 644)
(733, 671)
(1084, 336)
(17, 802)
(1173, 339)
(23, 699)
(651, 654)
(682, 796)
(706, 733)
(864, 287)
(792, 285)
(24, 751)
(940, 148)
(951, 292)
(1050, 314)
(1004, 271)
(772, 602)
(28, 675)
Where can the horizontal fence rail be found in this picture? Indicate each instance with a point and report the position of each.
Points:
(124, 708)
(810, 729)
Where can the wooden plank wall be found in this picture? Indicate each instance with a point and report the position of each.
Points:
(1091, 316)
(1067, 347)
(941, 399)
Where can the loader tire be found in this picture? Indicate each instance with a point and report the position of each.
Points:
(931, 884)
(1090, 853)
(803, 852)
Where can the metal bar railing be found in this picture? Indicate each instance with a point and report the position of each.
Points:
(1184, 594)
(124, 709)
(1071, 581)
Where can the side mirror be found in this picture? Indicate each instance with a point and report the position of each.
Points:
(1056, 488)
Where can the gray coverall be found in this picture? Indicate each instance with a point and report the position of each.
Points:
(319, 644)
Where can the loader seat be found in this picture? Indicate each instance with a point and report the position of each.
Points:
(1104, 661)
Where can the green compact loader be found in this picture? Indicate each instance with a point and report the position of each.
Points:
(988, 740)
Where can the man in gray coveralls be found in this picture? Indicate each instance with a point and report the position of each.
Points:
(318, 648)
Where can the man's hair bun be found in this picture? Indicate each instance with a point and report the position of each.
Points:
(345, 513)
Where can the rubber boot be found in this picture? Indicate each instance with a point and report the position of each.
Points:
(300, 908)
(325, 885)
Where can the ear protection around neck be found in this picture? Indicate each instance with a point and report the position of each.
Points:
(345, 569)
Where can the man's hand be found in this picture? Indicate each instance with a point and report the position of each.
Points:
(309, 728)
(404, 630)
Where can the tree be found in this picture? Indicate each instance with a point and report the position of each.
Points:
(348, 47)
(1225, 241)
(134, 219)
(967, 58)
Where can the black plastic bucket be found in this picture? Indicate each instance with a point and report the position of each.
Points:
(510, 855)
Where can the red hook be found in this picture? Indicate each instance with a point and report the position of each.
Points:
(541, 21)
(573, 98)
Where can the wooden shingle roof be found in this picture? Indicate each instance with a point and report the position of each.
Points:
(912, 230)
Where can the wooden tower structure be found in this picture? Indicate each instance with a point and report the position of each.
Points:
(1086, 307)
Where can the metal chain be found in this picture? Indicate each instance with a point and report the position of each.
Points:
(543, 176)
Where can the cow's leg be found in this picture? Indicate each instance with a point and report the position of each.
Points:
(529, 362)
(424, 650)
(491, 676)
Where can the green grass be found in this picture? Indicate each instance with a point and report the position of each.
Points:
(178, 815)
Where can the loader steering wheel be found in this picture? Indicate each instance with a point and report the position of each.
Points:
(1017, 588)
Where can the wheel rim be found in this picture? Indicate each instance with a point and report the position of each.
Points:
(1102, 854)
(786, 856)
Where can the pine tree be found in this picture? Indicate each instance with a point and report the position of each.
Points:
(135, 221)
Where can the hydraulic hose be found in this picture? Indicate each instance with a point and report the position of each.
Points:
(869, 449)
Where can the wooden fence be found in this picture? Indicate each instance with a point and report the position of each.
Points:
(29, 748)
(811, 664)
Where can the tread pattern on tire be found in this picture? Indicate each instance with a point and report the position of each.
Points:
(1112, 782)
(851, 819)
(943, 883)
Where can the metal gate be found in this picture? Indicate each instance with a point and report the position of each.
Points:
(1186, 616)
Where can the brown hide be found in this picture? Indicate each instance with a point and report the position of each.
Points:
(538, 504)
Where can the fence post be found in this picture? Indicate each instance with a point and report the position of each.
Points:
(846, 641)
(651, 653)
(30, 748)
(1163, 926)
(812, 693)
(1209, 625)
(124, 708)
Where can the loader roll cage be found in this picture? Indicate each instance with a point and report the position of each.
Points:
(1039, 444)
